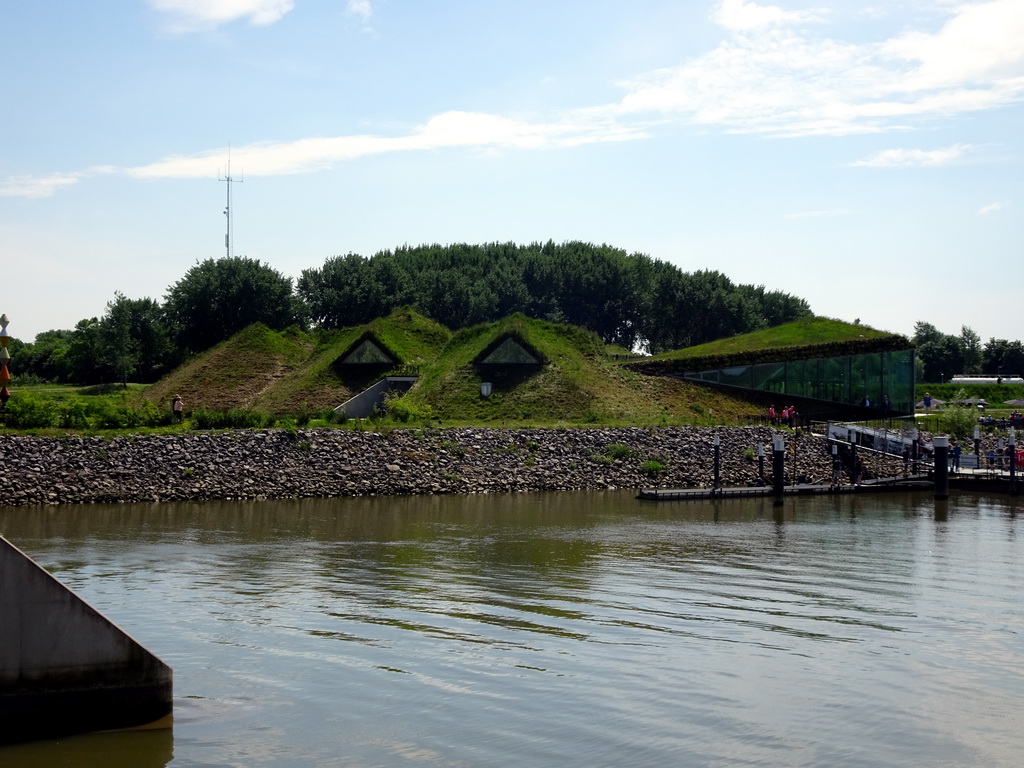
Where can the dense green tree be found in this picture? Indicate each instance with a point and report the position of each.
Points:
(926, 332)
(137, 339)
(1003, 357)
(219, 297)
(942, 355)
(45, 358)
(87, 353)
(627, 299)
(122, 349)
(942, 359)
(970, 344)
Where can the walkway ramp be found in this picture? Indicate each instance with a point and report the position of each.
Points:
(362, 405)
(64, 667)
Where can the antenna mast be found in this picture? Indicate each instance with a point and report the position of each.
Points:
(229, 235)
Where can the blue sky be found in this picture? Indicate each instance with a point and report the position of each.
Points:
(868, 158)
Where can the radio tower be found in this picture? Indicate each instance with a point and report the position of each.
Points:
(229, 236)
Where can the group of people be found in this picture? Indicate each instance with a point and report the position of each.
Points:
(999, 458)
(1015, 420)
(955, 452)
(787, 416)
(856, 477)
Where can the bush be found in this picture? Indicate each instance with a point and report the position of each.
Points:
(107, 415)
(404, 410)
(233, 418)
(304, 415)
(959, 420)
(618, 451)
(28, 411)
(652, 468)
(74, 414)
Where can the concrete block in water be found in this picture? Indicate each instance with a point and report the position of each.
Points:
(64, 667)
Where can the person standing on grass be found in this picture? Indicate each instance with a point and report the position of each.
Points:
(178, 407)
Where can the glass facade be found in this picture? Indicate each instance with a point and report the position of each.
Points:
(847, 379)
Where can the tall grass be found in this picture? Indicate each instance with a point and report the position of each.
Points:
(232, 418)
(29, 410)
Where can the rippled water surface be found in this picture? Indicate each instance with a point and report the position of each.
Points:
(557, 630)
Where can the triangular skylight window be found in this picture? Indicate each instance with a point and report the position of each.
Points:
(510, 352)
(368, 353)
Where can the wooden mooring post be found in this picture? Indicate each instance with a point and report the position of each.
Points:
(941, 443)
(1013, 461)
(778, 467)
(717, 441)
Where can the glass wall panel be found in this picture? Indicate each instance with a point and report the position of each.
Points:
(858, 379)
(796, 379)
(737, 377)
(770, 377)
(901, 380)
(845, 379)
(873, 377)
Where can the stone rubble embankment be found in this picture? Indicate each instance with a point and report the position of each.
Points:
(345, 462)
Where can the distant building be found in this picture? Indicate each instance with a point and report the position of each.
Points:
(963, 379)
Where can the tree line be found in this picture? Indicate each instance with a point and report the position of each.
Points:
(940, 356)
(630, 300)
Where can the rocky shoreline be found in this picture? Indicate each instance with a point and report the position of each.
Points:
(246, 464)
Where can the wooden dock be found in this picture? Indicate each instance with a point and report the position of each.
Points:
(878, 485)
(969, 481)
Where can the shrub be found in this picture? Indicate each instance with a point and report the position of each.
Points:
(109, 415)
(74, 414)
(652, 468)
(618, 451)
(304, 415)
(28, 411)
(233, 418)
(959, 420)
(404, 410)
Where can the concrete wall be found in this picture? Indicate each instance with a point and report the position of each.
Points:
(64, 667)
(362, 405)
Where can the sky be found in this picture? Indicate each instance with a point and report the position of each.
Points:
(867, 158)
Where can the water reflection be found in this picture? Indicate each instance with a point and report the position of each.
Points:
(152, 748)
(576, 629)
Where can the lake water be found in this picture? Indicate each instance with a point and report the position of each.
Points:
(584, 629)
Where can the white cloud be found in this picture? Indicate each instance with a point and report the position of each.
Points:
(447, 130)
(195, 15)
(983, 41)
(740, 15)
(37, 186)
(774, 80)
(990, 209)
(766, 77)
(914, 158)
(361, 8)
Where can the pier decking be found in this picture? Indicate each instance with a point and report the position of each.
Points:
(981, 481)
(888, 484)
